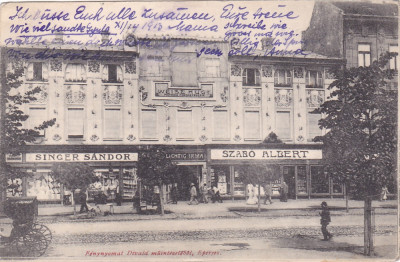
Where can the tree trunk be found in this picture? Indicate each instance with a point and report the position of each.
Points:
(368, 241)
(259, 196)
(347, 187)
(73, 202)
(162, 199)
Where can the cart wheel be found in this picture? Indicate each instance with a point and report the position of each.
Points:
(44, 230)
(33, 244)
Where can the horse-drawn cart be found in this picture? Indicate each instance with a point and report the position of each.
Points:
(28, 237)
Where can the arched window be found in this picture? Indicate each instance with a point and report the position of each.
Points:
(282, 78)
(75, 73)
(251, 77)
(314, 79)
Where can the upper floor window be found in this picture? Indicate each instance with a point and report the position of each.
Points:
(184, 124)
(283, 78)
(393, 61)
(212, 67)
(76, 123)
(184, 69)
(112, 123)
(112, 74)
(251, 77)
(314, 79)
(37, 115)
(75, 73)
(364, 54)
(37, 71)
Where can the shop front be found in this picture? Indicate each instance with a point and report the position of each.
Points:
(299, 166)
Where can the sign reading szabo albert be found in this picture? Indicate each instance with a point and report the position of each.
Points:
(260, 154)
(80, 157)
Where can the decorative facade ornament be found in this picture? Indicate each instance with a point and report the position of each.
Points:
(56, 137)
(283, 97)
(17, 64)
(131, 138)
(75, 94)
(41, 96)
(328, 74)
(184, 104)
(300, 138)
(298, 72)
(203, 138)
(167, 138)
(237, 138)
(266, 71)
(130, 67)
(252, 96)
(94, 66)
(236, 70)
(315, 98)
(112, 95)
(143, 93)
(94, 138)
(224, 95)
(55, 65)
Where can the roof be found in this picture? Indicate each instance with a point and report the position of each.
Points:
(368, 9)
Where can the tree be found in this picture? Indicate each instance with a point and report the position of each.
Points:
(272, 138)
(155, 169)
(13, 135)
(258, 174)
(74, 175)
(361, 119)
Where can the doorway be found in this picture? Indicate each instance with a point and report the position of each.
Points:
(185, 176)
(289, 178)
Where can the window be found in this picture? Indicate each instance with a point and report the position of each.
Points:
(251, 77)
(252, 126)
(302, 180)
(393, 61)
(312, 126)
(37, 71)
(283, 126)
(112, 74)
(185, 124)
(212, 67)
(76, 120)
(184, 69)
(75, 73)
(221, 124)
(149, 124)
(314, 79)
(283, 78)
(36, 117)
(319, 180)
(112, 123)
(364, 54)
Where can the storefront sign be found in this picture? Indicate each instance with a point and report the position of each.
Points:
(81, 157)
(14, 158)
(185, 156)
(260, 154)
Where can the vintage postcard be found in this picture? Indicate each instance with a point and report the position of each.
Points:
(199, 130)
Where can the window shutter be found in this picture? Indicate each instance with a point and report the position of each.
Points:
(45, 71)
(120, 77)
(112, 123)
(104, 74)
(76, 119)
(29, 73)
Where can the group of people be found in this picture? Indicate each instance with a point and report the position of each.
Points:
(206, 194)
(267, 191)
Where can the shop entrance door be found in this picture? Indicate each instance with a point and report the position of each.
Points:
(185, 176)
(289, 178)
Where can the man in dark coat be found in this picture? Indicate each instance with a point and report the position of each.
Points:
(325, 220)
(82, 200)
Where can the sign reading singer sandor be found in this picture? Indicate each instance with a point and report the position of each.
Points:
(80, 157)
(259, 154)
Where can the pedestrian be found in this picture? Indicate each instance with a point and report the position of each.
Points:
(204, 193)
(118, 197)
(193, 194)
(325, 220)
(384, 193)
(216, 195)
(268, 193)
(82, 200)
(284, 191)
(174, 194)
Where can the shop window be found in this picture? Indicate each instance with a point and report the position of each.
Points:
(221, 179)
(337, 186)
(112, 74)
(283, 125)
(313, 129)
(149, 124)
(41, 184)
(319, 180)
(364, 54)
(221, 124)
(184, 69)
(251, 77)
(252, 126)
(37, 115)
(393, 61)
(302, 180)
(36, 71)
(75, 73)
(282, 78)
(184, 124)
(75, 125)
(212, 68)
(112, 123)
(314, 79)
(14, 187)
